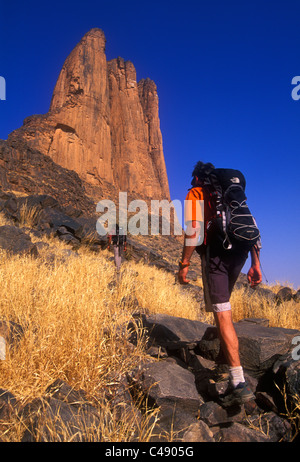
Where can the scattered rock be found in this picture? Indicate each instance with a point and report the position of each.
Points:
(172, 332)
(123, 408)
(266, 295)
(272, 425)
(62, 391)
(179, 384)
(52, 420)
(8, 404)
(261, 321)
(297, 296)
(287, 371)
(193, 347)
(15, 241)
(265, 401)
(198, 432)
(166, 382)
(59, 221)
(285, 294)
(214, 415)
(260, 346)
(238, 433)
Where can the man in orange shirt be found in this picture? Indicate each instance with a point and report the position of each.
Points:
(220, 270)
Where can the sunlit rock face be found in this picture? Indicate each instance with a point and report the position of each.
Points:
(102, 123)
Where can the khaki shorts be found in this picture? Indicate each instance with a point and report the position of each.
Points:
(220, 270)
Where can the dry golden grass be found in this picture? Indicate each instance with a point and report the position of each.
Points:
(4, 220)
(248, 304)
(75, 323)
(29, 215)
(70, 318)
(292, 406)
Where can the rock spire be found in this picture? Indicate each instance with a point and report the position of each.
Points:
(102, 123)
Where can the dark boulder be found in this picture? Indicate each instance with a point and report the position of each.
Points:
(167, 383)
(285, 294)
(15, 241)
(239, 433)
(57, 219)
(8, 405)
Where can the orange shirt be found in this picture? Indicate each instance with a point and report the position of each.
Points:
(197, 206)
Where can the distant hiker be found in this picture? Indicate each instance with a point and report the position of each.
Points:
(227, 234)
(118, 239)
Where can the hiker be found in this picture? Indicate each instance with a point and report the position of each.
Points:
(118, 239)
(222, 260)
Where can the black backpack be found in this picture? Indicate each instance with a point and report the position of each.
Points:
(118, 238)
(232, 217)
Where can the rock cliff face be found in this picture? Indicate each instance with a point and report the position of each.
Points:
(102, 123)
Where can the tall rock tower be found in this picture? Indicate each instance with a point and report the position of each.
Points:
(102, 123)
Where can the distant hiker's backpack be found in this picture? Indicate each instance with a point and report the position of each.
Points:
(119, 237)
(232, 216)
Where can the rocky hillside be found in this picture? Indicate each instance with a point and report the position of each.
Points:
(179, 374)
(100, 137)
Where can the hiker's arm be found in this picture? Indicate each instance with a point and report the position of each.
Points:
(254, 273)
(191, 239)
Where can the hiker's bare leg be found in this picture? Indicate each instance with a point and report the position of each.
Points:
(228, 338)
(118, 259)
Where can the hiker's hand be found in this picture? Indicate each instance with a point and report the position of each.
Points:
(182, 273)
(254, 276)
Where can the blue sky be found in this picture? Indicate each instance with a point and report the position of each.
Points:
(223, 70)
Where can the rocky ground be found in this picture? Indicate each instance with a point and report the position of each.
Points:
(180, 376)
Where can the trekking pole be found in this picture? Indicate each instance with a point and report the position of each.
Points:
(255, 248)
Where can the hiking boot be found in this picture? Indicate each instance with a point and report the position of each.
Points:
(239, 395)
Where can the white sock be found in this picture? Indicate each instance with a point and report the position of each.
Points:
(236, 375)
